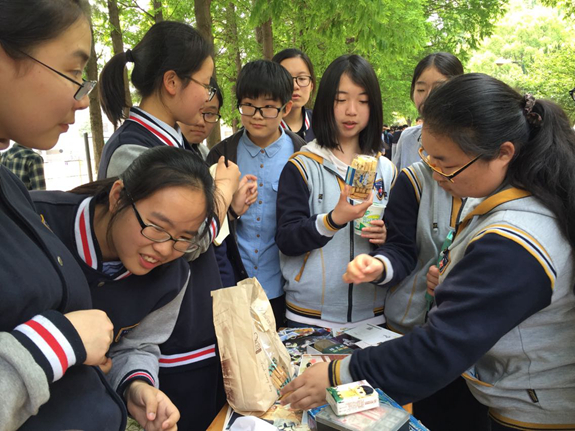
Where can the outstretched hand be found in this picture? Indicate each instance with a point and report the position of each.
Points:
(308, 390)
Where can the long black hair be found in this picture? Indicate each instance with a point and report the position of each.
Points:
(154, 170)
(447, 64)
(27, 23)
(360, 71)
(479, 113)
(167, 45)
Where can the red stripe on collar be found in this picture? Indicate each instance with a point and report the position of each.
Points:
(83, 234)
(156, 132)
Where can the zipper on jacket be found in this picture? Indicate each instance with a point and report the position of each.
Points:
(350, 288)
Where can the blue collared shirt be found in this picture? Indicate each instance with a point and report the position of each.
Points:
(257, 228)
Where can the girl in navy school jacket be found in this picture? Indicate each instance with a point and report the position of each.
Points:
(51, 337)
(172, 71)
(129, 236)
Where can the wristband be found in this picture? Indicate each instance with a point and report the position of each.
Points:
(334, 224)
(233, 213)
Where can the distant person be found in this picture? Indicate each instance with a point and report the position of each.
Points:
(300, 67)
(419, 121)
(27, 165)
(202, 125)
(432, 70)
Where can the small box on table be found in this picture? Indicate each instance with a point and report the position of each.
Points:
(352, 397)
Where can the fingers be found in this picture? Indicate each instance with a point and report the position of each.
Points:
(106, 366)
(364, 268)
(432, 280)
(150, 402)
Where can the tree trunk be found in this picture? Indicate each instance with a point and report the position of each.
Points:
(268, 40)
(158, 15)
(234, 47)
(95, 111)
(204, 26)
(118, 46)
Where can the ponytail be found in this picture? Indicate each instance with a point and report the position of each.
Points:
(112, 93)
(167, 45)
(546, 163)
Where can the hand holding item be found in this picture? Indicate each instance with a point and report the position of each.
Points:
(96, 331)
(308, 390)
(246, 194)
(344, 212)
(151, 407)
(376, 233)
(363, 269)
(227, 179)
(432, 279)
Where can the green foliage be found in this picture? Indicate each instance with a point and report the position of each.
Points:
(532, 49)
(392, 34)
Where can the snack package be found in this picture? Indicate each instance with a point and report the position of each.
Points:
(352, 398)
(361, 176)
(255, 363)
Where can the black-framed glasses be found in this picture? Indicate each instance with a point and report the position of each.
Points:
(302, 80)
(211, 90)
(572, 93)
(158, 234)
(265, 111)
(85, 86)
(450, 176)
(211, 117)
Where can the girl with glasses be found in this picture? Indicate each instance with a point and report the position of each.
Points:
(300, 68)
(202, 125)
(129, 236)
(505, 308)
(315, 232)
(430, 71)
(172, 71)
(52, 339)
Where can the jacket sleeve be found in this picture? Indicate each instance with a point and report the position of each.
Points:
(399, 253)
(136, 355)
(298, 231)
(34, 355)
(492, 289)
(122, 158)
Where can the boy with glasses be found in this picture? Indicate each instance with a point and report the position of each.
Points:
(264, 91)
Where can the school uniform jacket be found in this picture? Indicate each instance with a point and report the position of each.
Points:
(44, 384)
(314, 252)
(505, 308)
(188, 358)
(127, 299)
(306, 131)
(418, 219)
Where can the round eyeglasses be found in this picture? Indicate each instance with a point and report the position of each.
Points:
(449, 177)
(302, 80)
(85, 87)
(211, 117)
(211, 90)
(158, 234)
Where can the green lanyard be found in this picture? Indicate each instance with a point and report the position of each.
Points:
(440, 263)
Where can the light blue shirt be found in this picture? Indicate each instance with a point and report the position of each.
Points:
(257, 228)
